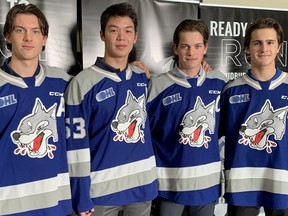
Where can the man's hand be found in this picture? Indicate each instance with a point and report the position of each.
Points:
(141, 65)
(206, 66)
(87, 213)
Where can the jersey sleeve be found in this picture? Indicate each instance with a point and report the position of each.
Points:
(223, 116)
(152, 105)
(79, 161)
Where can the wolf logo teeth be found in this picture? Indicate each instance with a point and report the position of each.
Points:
(129, 120)
(195, 123)
(34, 131)
(260, 126)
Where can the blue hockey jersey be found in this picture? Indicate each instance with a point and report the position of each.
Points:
(184, 115)
(33, 161)
(110, 154)
(254, 116)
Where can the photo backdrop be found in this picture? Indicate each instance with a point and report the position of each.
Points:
(158, 20)
(227, 27)
(156, 23)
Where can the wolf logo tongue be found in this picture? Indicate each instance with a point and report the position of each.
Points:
(259, 136)
(131, 129)
(197, 134)
(130, 118)
(37, 142)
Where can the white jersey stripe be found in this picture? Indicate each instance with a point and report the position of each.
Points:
(257, 179)
(257, 173)
(123, 183)
(189, 172)
(78, 156)
(35, 201)
(33, 188)
(123, 170)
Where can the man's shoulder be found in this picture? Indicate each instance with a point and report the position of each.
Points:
(136, 69)
(55, 72)
(235, 83)
(216, 74)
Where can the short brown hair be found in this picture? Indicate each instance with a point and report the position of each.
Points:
(118, 10)
(262, 23)
(24, 9)
(189, 25)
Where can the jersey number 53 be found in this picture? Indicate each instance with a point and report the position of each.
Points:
(77, 126)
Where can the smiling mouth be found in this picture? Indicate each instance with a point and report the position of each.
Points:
(191, 60)
(121, 46)
(27, 46)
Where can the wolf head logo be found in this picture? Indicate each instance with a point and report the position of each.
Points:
(196, 122)
(261, 125)
(34, 130)
(129, 120)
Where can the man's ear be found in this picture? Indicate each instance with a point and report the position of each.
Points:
(7, 38)
(136, 36)
(45, 40)
(247, 51)
(175, 49)
(206, 48)
(102, 36)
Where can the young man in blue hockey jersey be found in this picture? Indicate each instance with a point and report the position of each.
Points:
(110, 154)
(254, 113)
(183, 107)
(33, 161)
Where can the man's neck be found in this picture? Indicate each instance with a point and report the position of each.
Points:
(24, 68)
(191, 72)
(263, 73)
(117, 63)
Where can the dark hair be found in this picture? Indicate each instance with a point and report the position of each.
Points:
(118, 10)
(24, 9)
(189, 25)
(262, 23)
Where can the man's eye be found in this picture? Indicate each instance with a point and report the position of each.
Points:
(19, 30)
(184, 47)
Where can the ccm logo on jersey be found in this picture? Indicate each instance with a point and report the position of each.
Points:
(215, 92)
(239, 98)
(284, 97)
(141, 84)
(58, 94)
